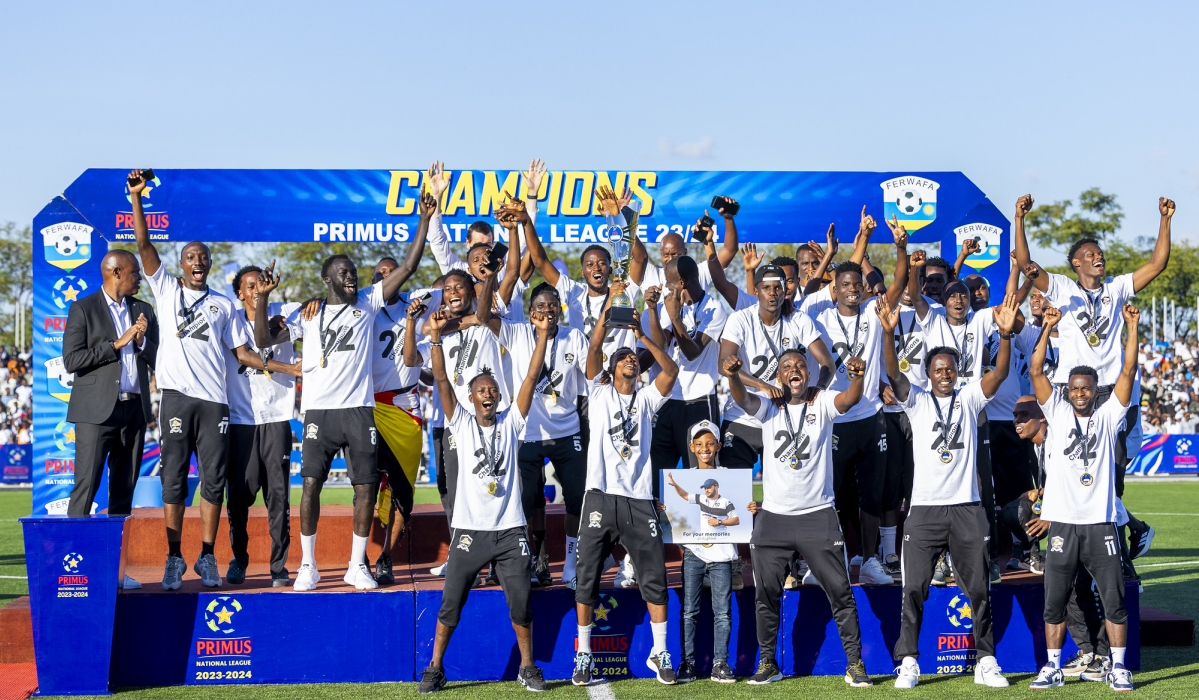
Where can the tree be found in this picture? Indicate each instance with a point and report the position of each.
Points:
(16, 280)
(1054, 226)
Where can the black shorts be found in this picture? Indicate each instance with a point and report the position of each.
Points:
(402, 494)
(741, 445)
(860, 447)
(607, 521)
(1095, 547)
(570, 468)
(897, 481)
(475, 549)
(351, 430)
(193, 426)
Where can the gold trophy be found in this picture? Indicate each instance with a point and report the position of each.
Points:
(620, 313)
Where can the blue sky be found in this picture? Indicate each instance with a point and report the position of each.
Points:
(1050, 98)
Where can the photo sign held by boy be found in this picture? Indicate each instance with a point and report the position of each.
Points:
(706, 506)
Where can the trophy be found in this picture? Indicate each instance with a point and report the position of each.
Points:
(620, 314)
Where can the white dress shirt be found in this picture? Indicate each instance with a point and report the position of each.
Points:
(119, 311)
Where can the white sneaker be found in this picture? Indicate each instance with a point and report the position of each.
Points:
(1049, 677)
(360, 577)
(856, 561)
(872, 572)
(306, 578)
(626, 577)
(130, 584)
(909, 675)
(439, 570)
(809, 578)
(988, 673)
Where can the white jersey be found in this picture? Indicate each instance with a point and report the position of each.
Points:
(945, 472)
(487, 460)
(969, 339)
(797, 458)
(254, 397)
(1080, 462)
(586, 311)
(467, 354)
(719, 507)
(554, 412)
(340, 337)
(620, 425)
(698, 377)
(854, 336)
(656, 276)
(1052, 360)
(910, 343)
(388, 371)
(759, 346)
(1003, 403)
(197, 332)
(1092, 323)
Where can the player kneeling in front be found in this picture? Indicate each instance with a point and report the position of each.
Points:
(797, 517)
(489, 525)
(945, 510)
(1080, 497)
(618, 506)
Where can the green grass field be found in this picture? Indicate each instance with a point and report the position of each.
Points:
(1170, 573)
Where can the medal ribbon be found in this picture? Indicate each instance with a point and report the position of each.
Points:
(945, 424)
(772, 368)
(906, 348)
(795, 435)
(857, 327)
(1094, 303)
(626, 416)
(590, 317)
(321, 327)
(492, 455)
(547, 372)
(1084, 439)
(187, 313)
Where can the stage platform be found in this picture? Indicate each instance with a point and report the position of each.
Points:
(253, 633)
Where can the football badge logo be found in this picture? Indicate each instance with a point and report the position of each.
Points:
(910, 199)
(988, 237)
(67, 245)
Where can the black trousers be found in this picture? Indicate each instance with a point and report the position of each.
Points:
(193, 426)
(927, 532)
(260, 459)
(986, 482)
(570, 467)
(446, 454)
(668, 444)
(118, 442)
(816, 537)
(475, 549)
(897, 486)
(610, 520)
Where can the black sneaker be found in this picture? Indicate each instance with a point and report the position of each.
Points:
(996, 574)
(1097, 670)
(1036, 562)
(236, 573)
(431, 681)
(855, 675)
(686, 673)
(1126, 567)
(721, 673)
(383, 569)
(584, 669)
(737, 582)
(530, 677)
(492, 579)
(1139, 539)
(892, 566)
(768, 672)
(541, 570)
(280, 580)
(660, 664)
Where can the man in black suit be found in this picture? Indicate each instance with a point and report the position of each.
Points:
(109, 345)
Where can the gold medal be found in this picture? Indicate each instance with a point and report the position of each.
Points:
(794, 462)
(554, 399)
(1093, 340)
(625, 452)
(1086, 479)
(324, 361)
(492, 487)
(946, 456)
(904, 365)
(456, 377)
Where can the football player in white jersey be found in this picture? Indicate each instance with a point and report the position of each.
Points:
(645, 274)
(190, 372)
(797, 516)
(338, 402)
(945, 510)
(490, 525)
(1080, 500)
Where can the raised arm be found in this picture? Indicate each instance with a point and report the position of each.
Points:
(895, 291)
(751, 260)
(1020, 239)
(916, 264)
(682, 492)
(1005, 318)
(411, 355)
(524, 397)
(1036, 365)
(1128, 373)
(731, 368)
(428, 205)
(1143, 275)
(721, 282)
(812, 283)
(855, 369)
(437, 182)
(265, 334)
(970, 247)
(690, 347)
(865, 231)
(652, 296)
(728, 247)
(145, 249)
(449, 400)
(511, 218)
(595, 350)
(540, 260)
(484, 301)
(670, 371)
(889, 318)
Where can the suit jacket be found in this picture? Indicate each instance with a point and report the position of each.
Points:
(87, 353)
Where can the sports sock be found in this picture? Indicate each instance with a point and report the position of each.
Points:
(659, 630)
(205, 548)
(568, 568)
(357, 550)
(308, 549)
(1118, 656)
(888, 540)
(584, 639)
(1055, 658)
(174, 550)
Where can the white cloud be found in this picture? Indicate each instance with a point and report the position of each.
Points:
(688, 149)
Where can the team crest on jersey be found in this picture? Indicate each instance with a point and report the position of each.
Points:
(786, 342)
(593, 518)
(969, 337)
(212, 308)
(1107, 299)
(865, 326)
(357, 313)
(176, 425)
(1055, 544)
(569, 357)
(464, 543)
(835, 441)
(728, 439)
(811, 419)
(310, 431)
(453, 443)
